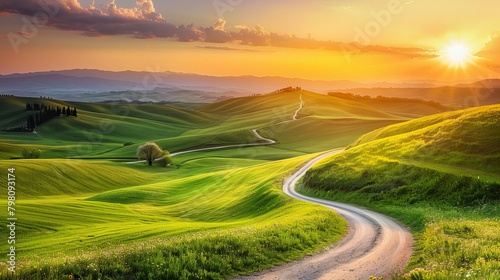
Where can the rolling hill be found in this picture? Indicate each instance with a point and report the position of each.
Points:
(101, 129)
(450, 157)
(440, 175)
(486, 92)
(224, 211)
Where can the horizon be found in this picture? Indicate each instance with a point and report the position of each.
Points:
(432, 82)
(380, 41)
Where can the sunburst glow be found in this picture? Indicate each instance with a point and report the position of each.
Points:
(457, 54)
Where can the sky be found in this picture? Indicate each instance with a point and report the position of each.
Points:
(377, 40)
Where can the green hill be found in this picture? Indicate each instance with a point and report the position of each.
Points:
(452, 157)
(212, 215)
(101, 130)
(439, 174)
(96, 218)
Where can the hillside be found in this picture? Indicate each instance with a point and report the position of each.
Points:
(208, 204)
(226, 206)
(127, 220)
(440, 175)
(451, 157)
(324, 122)
(101, 130)
(485, 92)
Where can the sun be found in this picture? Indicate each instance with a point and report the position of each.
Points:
(457, 54)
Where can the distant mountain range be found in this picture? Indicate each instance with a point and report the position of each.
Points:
(98, 85)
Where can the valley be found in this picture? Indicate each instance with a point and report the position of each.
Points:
(219, 205)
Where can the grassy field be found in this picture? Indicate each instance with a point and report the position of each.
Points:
(101, 130)
(114, 223)
(440, 175)
(211, 215)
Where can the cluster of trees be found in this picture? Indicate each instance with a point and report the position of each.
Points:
(43, 114)
(46, 113)
(9, 95)
(150, 152)
(288, 89)
(31, 153)
(57, 111)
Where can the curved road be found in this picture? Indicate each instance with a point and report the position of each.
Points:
(260, 137)
(298, 110)
(254, 131)
(376, 245)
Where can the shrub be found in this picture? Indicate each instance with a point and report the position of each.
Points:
(164, 161)
(31, 153)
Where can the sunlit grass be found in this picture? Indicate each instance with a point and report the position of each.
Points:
(210, 215)
(440, 176)
(221, 222)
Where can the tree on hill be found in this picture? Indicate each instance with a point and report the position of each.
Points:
(149, 152)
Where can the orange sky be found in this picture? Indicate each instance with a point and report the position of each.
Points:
(320, 40)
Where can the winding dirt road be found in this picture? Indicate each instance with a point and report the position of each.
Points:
(254, 131)
(298, 110)
(376, 245)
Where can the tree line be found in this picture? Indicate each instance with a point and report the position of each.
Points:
(43, 114)
(351, 96)
(287, 89)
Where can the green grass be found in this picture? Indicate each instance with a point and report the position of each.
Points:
(439, 175)
(101, 129)
(112, 224)
(212, 215)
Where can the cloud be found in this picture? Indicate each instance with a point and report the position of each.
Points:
(220, 24)
(252, 36)
(142, 21)
(491, 49)
(490, 54)
(216, 33)
(230, 49)
(144, 10)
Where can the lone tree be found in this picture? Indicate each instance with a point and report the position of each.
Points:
(149, 152)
